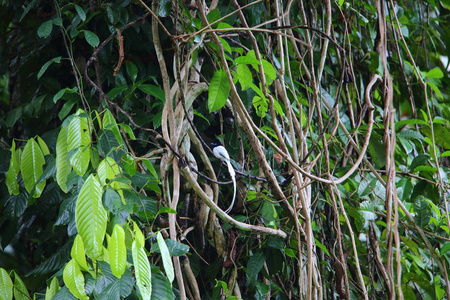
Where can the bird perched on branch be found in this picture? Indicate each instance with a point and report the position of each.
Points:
(221, 153)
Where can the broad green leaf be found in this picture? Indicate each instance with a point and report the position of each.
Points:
(43, 146)
(117, 251)
(74, 280)
(167, 261)
(45, 29)
(91, 217)
(175, 248)
(244, 72)
(80, 12)
(151, 168)
(129, 164)
(63, 166)
(138, 236)
(51, 290)
(91, 38)
(31, 166)
(78, 253)
(20, 290)
(6, 285)
(219, 89)
(47, 64)
(78, 142)
(108, 170)
(254, 265)
(261, 106)
(132, 70)
(434, 73)
(142, 270)
(153, 90)
(13, 172)
(269, 71)
(109, 122)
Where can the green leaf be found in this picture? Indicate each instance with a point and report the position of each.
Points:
(78, 143)
(117, 251)
(6, 285)
(80, 12)
(175, 248)
(74, 280)
(435, 73)
(243, 72)
(78, 253)
(63, 166)
(132, 70)
(43, 146)
(218, 91)
(91, 217)
(269, 72)
(167, 261)
(45, 29)
(261, 106)
(31, 166)
(91, 38)
(13, 172)
(142, 270)
(20, 290)
(51, 290)
(108, 170)
(153, 90)
(255, 264)
(47, 64)
(128, 130)
(109, 122)
(138, 236)
(148, 164)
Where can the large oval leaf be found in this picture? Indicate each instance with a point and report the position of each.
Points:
(20, 290)
(78, 253)
(74, 280)
(167, 261)
(219, 89)
(6, 285)
(63, 166)
(91, 217)
(117, 251)
(31, 167)
(51, 290)
(142, 270)
(78, 143)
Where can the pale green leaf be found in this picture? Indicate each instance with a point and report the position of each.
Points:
(219, 89)
(74, 280)
(108, 170)
(434, 73)
(91, 217)
(43, 146)
(269, 71)
(78, 253)
(13, 172)
(20, 290)
(51, 290)
(138, 236)
(31, 166)
(243, 72)
(91, 38)
(142, 270)
(117, 251)
(63, 166)
(78, 142)
(6, 285)
(167, 261)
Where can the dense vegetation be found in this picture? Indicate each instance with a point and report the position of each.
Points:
(335, 115)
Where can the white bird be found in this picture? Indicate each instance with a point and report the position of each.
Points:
(221, 153)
